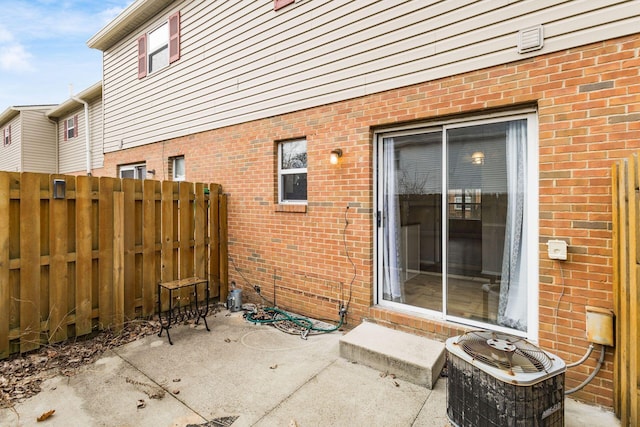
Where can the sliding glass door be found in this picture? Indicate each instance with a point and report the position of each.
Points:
(455, 230)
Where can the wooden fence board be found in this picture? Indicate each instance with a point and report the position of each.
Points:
(199, 232)
(58, 267)
(84, 254)
(214, 240)
(5, 294)
(129, 220)
(149, 280)
(29, 262)
(105, 251)
(615, 211)
(169, 236)
(224, 253)
(119, 260)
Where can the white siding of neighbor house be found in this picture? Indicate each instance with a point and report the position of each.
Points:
(10, 155)
(242, 60)
(72, 153)
(38, 142)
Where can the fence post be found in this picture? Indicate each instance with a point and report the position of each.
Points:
(84, 254)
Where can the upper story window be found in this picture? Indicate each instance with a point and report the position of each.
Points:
(71, 127)
(279, 4)
(292, 171)
(137, 171)
(6, 136)
(177, 167)
(160, 47)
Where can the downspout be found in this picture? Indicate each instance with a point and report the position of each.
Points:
(87, 134)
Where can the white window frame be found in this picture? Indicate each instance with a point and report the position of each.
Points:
(283, 172)
(71, 127)
(532, 228)
(139, 170)
(6, 138)
(175, 175)
(160, 31)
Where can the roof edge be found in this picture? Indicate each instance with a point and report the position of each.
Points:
(114, 31)
(88, 94)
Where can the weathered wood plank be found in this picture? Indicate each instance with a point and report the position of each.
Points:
(224, 253)
(214, 240)
(130, 221)
(58, 266)
(84, 253)
(5, 294)
(30, 262)
(105, 251)
(616, 230)
(634, 294)
(169, 270)
(149, 280)
(119, 262)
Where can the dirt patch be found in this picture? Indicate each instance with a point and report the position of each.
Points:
(21, 375)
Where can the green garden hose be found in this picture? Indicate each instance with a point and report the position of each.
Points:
(288, 323)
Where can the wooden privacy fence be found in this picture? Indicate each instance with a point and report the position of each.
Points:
(92, 258)
(626, 262)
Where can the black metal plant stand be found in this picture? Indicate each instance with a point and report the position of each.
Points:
(179, 311)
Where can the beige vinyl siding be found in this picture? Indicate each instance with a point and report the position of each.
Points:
(38, 142)
(10, 155)
(242, 60)
(95, 126)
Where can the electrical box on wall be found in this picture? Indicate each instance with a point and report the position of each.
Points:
(557, 249)
(599, 325)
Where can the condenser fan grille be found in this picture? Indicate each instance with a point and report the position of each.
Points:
(506, 352)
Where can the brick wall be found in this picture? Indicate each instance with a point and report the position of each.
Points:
(588, 100)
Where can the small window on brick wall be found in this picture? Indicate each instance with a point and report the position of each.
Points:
(177, 168)
(292, 171)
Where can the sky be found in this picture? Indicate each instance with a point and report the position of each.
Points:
(43, 48)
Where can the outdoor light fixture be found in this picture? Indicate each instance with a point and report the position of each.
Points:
(335, 155)
(59, 188)
(477, 158)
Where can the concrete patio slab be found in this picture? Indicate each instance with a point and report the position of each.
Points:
(250, 375)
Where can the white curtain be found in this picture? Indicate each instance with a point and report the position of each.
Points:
(512, 307)
(393, 287)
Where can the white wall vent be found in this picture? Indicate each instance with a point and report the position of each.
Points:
(530, 39)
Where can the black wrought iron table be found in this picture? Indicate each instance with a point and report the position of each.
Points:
(179, 310)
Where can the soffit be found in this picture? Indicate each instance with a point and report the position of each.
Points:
(130, 20)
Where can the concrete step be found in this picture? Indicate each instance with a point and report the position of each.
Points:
(418, 360)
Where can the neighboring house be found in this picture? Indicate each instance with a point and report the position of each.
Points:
(465, 136)
(79, 131)
(28, 138)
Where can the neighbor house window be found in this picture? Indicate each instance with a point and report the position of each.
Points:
(138, 171)
(6, 137)
(457, 237)
(292, 171)
(71, 127)
(177, 167)
(160, 47)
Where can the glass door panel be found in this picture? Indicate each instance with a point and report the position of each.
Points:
(412, 225)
